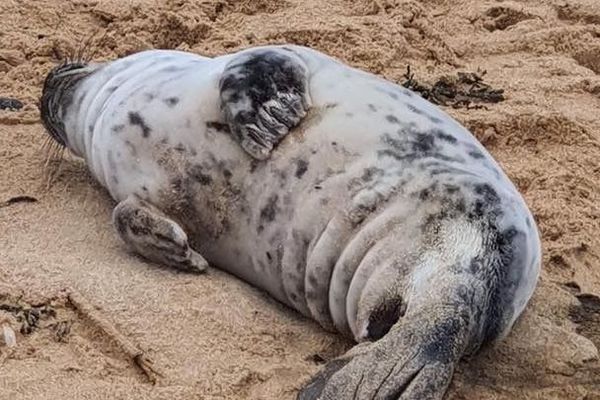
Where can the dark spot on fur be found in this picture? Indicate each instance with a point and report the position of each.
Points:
(171, 101)
(410, 144)
(391, 91)
(170, 68)
(423, 143)
(301, 168)
(254, 164)
(112, 89)
(475, 266)
(318, 187)
(392, 94)
(414, 109)
(488, 193)
(218, 126)
(488, 201)
(448, 171)
(136, 120)
(476, 154)
(197, 173)
(392, 119)
(419, 111)
(451, 189)
(370, 173)
(227, 174)
(144, 188)
(179, 148)
(234, 97)
(118, 128)
(407, 93)
(269, 256)
(269, 211)
(384, 316)
(445, 136)
(372, 107)
(149, 96)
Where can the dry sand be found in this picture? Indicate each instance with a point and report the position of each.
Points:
(213, 337)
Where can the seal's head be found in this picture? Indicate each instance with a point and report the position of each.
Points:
(57, 96)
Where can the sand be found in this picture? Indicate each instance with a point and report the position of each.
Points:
(214, 337)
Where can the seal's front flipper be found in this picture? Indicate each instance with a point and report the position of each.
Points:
(415, 360)
(154, 236)
(264, 94)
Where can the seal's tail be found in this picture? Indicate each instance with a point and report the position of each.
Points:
(451, 312)
(415, 360)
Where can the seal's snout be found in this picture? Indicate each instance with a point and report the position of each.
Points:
(57, 97)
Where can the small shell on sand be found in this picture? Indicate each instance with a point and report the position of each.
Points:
(8, 334)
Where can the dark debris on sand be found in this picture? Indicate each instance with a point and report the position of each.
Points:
(466, 89)
(10, 104)
(18, 199)
(28, 315)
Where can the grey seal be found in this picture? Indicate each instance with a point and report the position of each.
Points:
(345, 196)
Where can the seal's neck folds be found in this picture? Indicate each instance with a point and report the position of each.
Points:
(58, 95)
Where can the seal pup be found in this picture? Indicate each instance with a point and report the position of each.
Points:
(347, 197)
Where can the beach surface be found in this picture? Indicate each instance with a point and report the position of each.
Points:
(90, 317)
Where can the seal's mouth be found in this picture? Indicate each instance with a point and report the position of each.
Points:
(57, 96)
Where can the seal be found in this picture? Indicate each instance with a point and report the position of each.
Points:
(347, 197)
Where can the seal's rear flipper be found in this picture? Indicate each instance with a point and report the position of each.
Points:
(264, 94)
(154, 236)
(415, 360)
